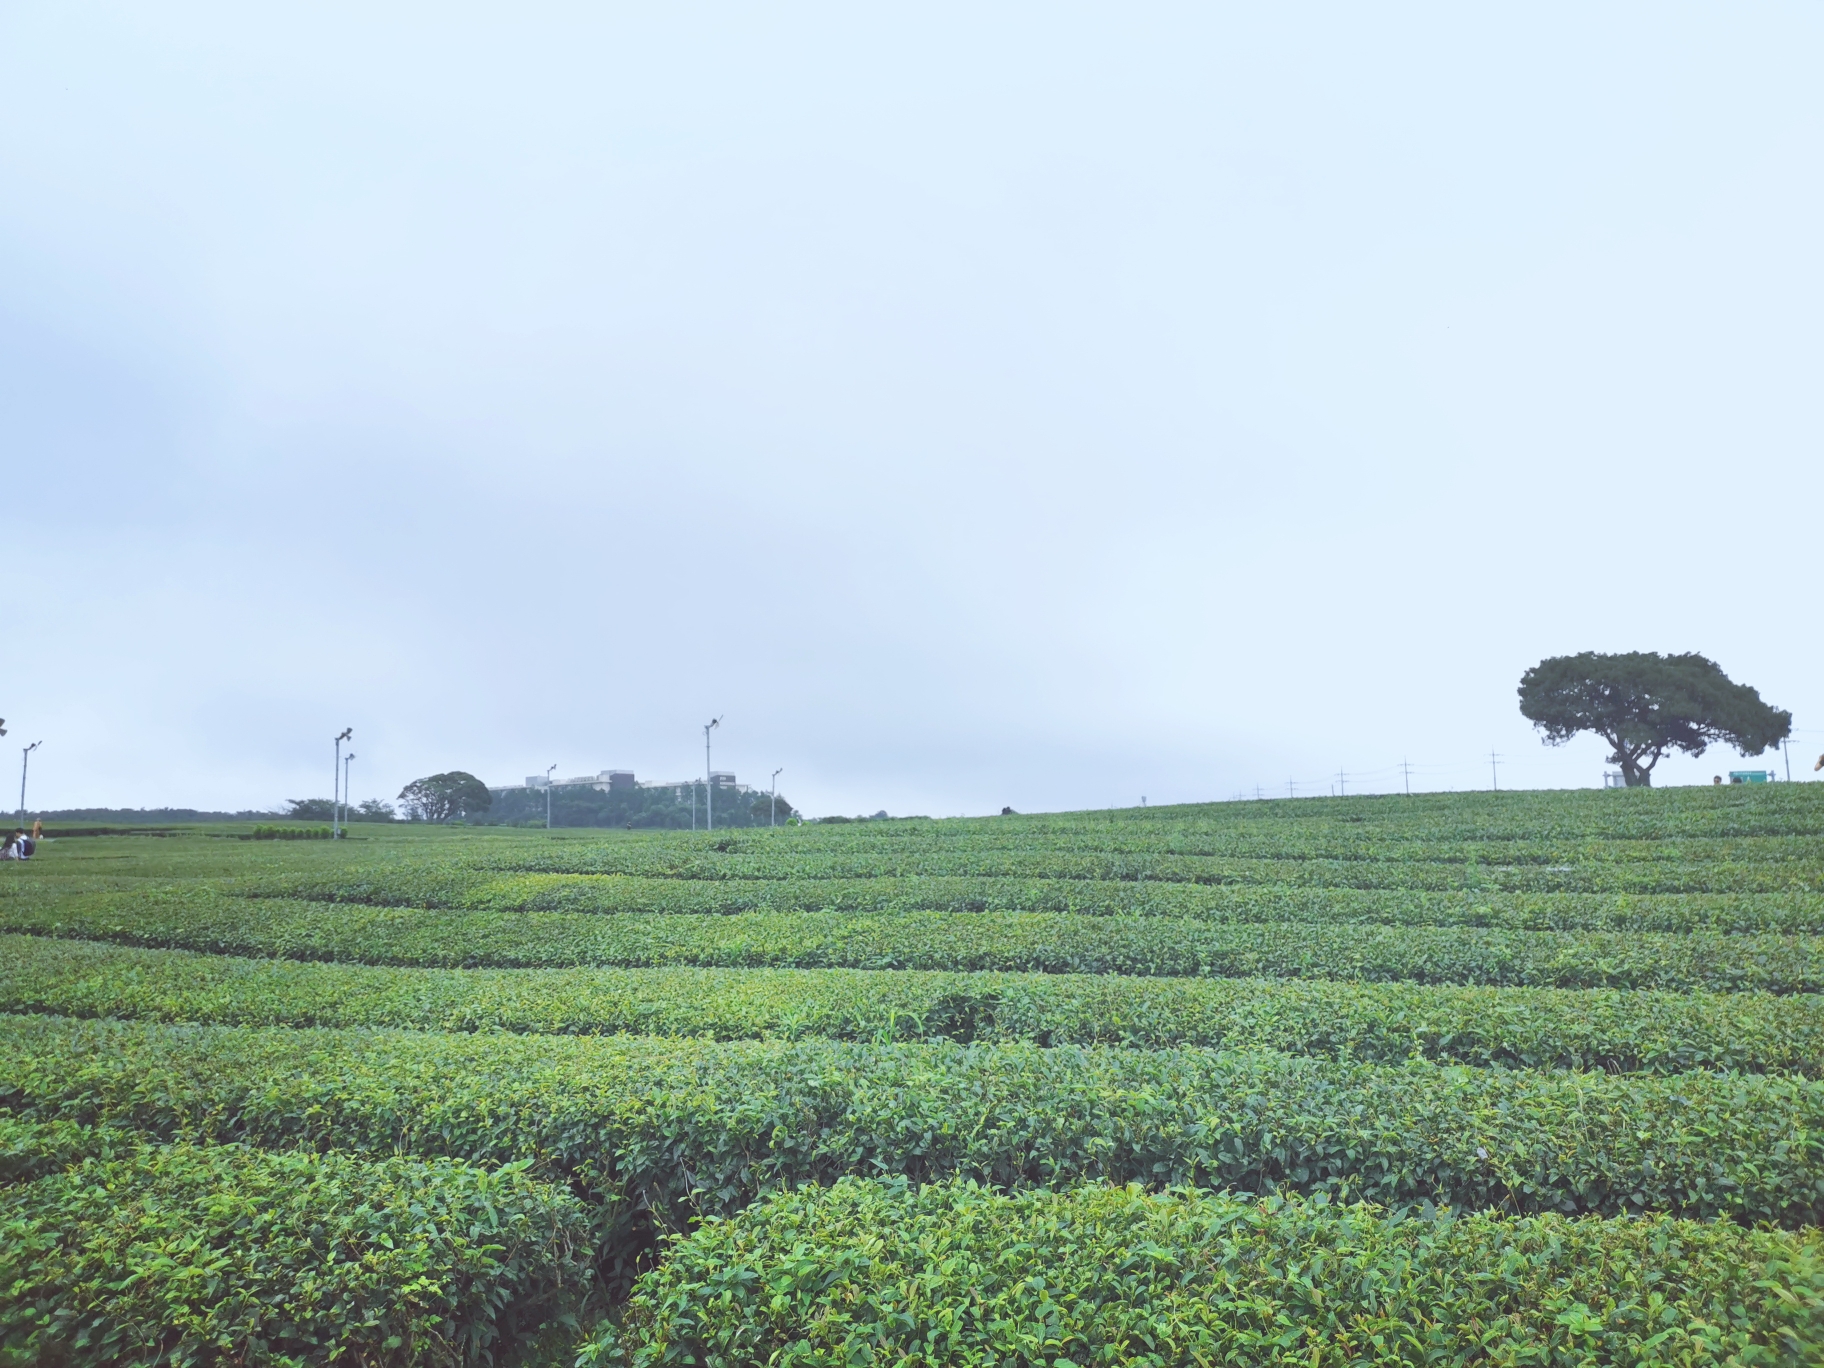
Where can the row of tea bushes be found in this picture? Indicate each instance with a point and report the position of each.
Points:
(1619, 1030)
(421, 883)
(1032, 942)
(157, 1255)
(689, 1127)
(869, 1272)
(775, 858)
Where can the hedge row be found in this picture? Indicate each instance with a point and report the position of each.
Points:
(179, 1254)
(686, 1128)
(780, 858)
(444, 885)
(1225, 831)
(1617, 1030)
(193, 919)
(869, 1272)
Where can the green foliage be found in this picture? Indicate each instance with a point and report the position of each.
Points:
(30, 1150)
(1516, 1027)
(955, 1273)
(310, 809)
(288, 833)
(445, 884)
(754, 855)
(681, 1128)
(1020, 942)
(445, 797)
(179, 1254)
(1490, 1002)
(373, 810)
(1645, 704)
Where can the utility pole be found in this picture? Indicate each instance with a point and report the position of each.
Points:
(1342, 782)
(335, 803)
(1494, 773)
(25, 760)
(709, 783)
(1258, 795)
(1406, 770)
(552, 766)
(776, 774)
(347, 804)
(1291, 788)
(1786, 750)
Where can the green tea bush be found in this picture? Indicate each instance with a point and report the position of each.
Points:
(1026, 942)
(685, 1127)
(445, 885)
(955, 1273)
(179, 1254)
(290, 833)
(32, 1149)
(1299, 869)
(1618, 1030)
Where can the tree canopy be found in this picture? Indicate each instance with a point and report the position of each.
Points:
(1645, 704)
(443, 797)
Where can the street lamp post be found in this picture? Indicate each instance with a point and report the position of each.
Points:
(347, 802)
(335, 808)
(709, 783)
(25, 760)
(548, 769)
(776, 774)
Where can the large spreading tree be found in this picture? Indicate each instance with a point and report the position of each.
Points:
(1645, 704)
(444, 797)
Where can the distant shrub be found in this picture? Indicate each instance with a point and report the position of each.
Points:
(285, 833)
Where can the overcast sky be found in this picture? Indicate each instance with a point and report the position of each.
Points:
(1042, 405)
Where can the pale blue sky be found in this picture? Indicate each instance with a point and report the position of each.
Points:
(1043, 405)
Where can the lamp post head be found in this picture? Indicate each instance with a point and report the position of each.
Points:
(346, 733)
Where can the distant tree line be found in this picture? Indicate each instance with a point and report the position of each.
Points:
(323, 810)
(580, 805)
(147, 816)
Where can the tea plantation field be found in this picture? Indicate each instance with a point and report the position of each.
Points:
(1529, 1078)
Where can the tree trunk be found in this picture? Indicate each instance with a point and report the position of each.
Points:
(1634, 774)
